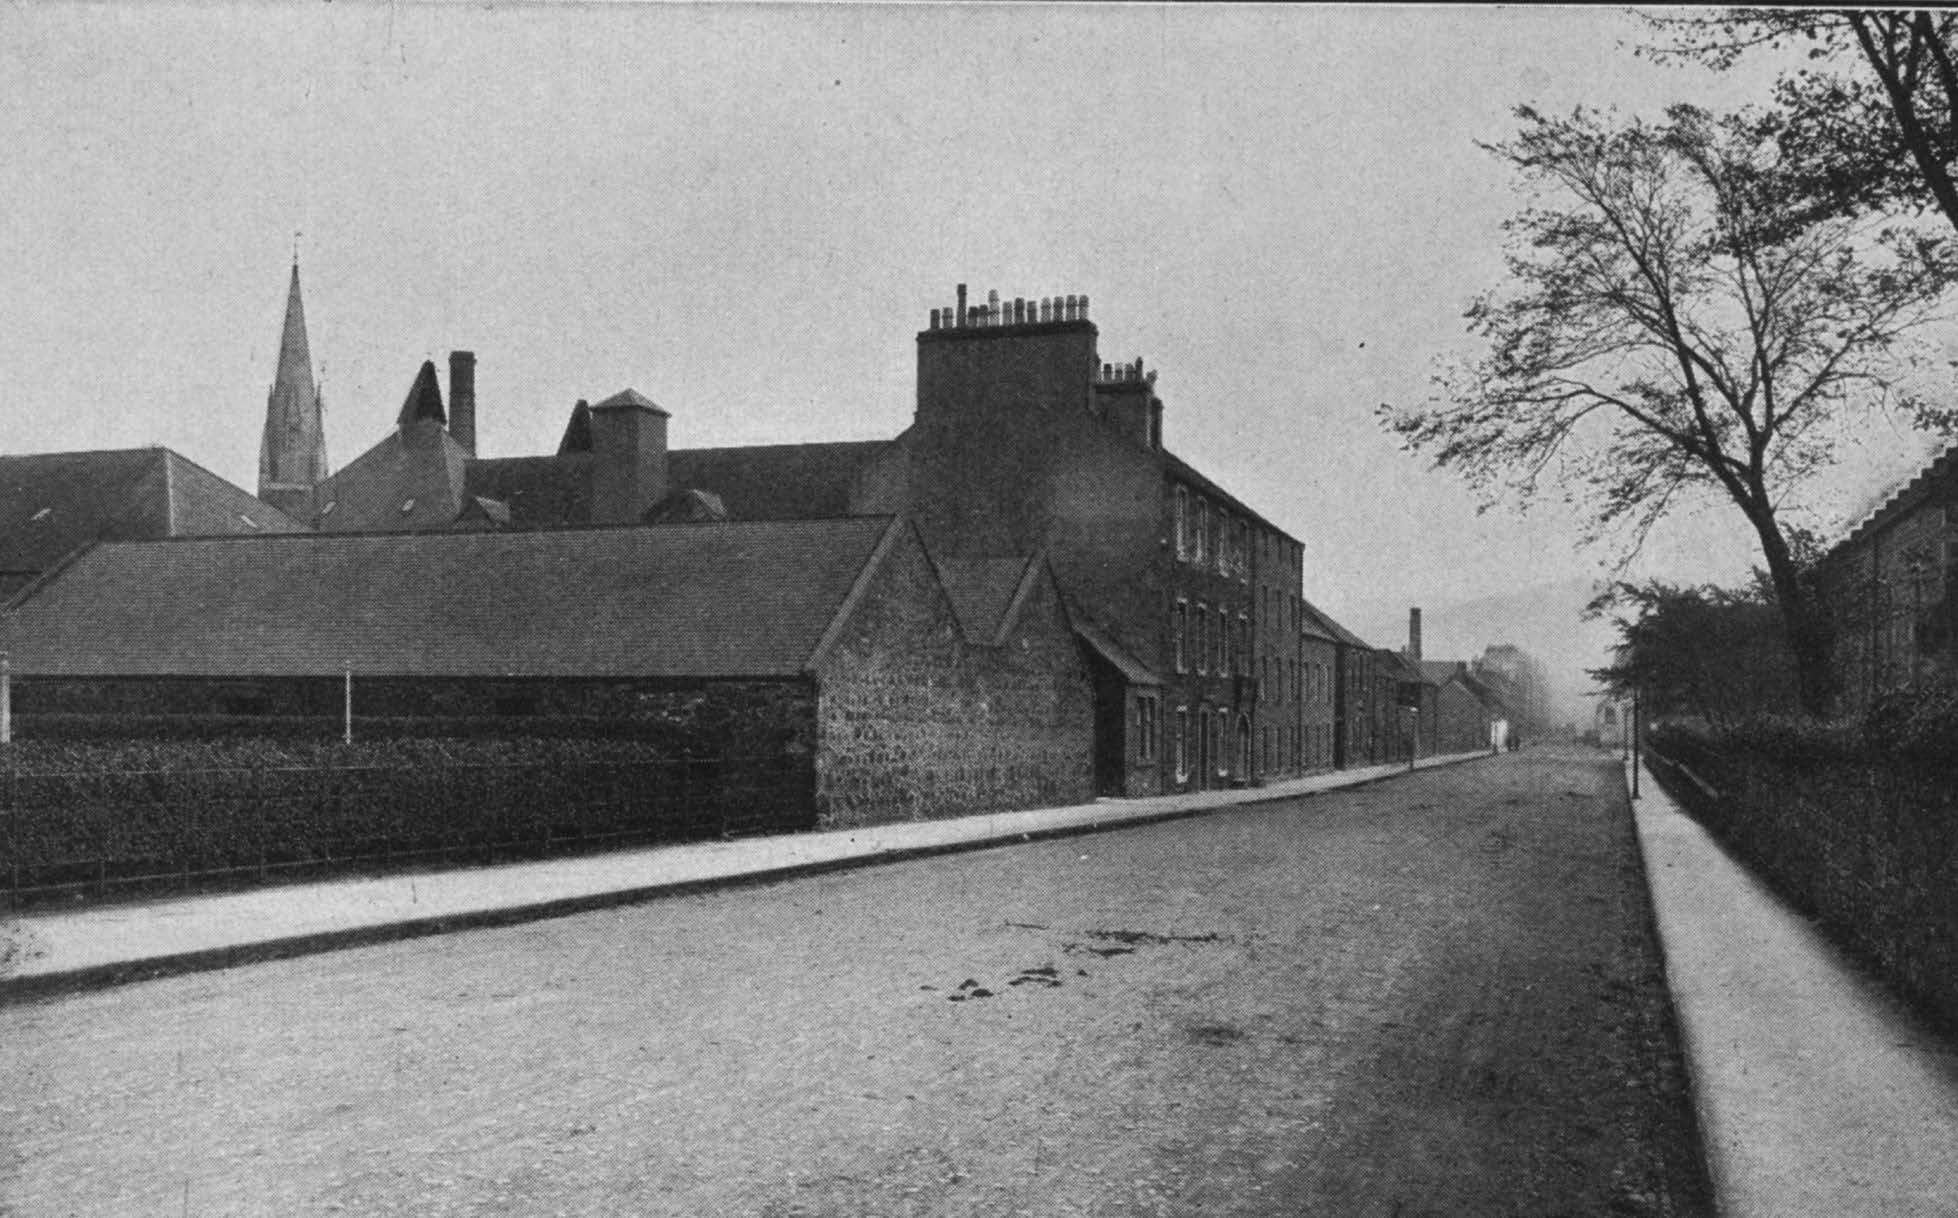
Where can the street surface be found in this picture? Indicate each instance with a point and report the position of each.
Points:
(1435, 995)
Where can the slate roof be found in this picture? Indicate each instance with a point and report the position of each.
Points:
(538, 490)
(708, 600)
(1189, 473)
(981, 591)
(411, 479)
(54, 503)
(775, 481)
(757, 482)
(1339, 633)
(1134, 671)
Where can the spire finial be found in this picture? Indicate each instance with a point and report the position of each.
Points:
(296, 234)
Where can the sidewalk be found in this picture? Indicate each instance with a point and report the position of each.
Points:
(60, 951)
(1817, 1093)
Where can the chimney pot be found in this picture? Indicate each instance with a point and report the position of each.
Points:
(962, 312)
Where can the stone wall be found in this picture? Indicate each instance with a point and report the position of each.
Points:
(914, 722)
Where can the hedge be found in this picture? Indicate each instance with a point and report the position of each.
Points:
(1855, 824)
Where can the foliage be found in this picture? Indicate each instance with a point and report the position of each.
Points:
(1715, 654)
(1672, 325)
(1871, 124)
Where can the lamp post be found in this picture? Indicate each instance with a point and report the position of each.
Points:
(1635, 727)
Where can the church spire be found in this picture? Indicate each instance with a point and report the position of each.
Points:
(292, 459)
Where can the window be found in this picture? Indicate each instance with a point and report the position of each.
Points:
(1145, 729)
(1181, 524)
(1219, 761)
(1202, 530)
(1182, 743)
(1203, 637)
(1179, 622)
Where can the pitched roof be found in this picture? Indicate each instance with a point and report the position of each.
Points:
(1440, 672)
(412, 479)
(1326, 622)
(981, 591)
(1134, 671)
(53, 503)
(727, 599)
(1189, 473)
(775, 481)
(539, 490)
(631, 397)
(756, 482)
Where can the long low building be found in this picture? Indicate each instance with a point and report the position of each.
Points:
(920, 688)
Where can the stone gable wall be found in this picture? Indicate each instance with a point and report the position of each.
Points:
(915, 723)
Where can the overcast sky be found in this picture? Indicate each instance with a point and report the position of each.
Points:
(747, 212)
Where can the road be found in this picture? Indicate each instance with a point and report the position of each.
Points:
(1434, 995)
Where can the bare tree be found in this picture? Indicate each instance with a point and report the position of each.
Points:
(1669, 327)
(1872, 123)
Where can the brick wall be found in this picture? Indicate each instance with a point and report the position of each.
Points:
(914, 722)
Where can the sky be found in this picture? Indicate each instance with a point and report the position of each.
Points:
(746, 212)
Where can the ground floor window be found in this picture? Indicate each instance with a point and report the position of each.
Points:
(1145, 729)
(1218, 761)
(1181, 743)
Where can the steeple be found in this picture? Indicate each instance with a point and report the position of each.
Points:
(292, 460)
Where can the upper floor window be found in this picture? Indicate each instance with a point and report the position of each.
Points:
(1203, 638)
(1197, 553)
(1180, 523)
(1179, 624)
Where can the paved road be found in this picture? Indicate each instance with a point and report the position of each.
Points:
(1436, 995)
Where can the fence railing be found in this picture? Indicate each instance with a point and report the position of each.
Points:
(68, 831)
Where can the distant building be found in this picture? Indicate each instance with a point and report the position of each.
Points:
(292, 454)
(52, 504)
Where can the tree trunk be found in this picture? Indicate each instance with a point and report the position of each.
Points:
(1802, 618)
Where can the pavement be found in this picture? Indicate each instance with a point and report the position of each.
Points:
(1817, 1091)
(51, 952)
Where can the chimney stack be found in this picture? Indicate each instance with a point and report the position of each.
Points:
(462, 399)
(1414, 634)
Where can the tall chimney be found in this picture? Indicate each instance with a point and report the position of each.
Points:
(462, 399)
(1414, 634)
